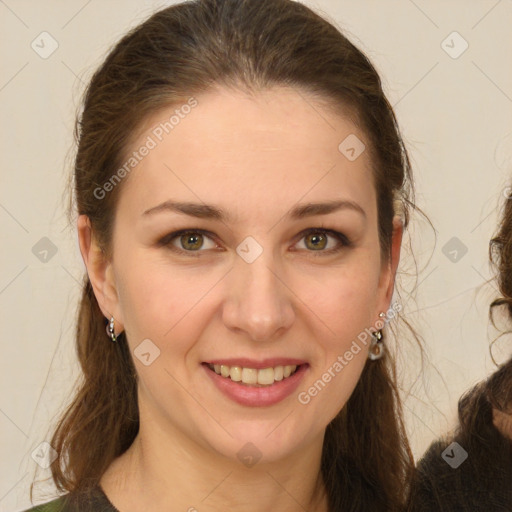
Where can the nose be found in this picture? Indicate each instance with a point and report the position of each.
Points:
(258, 300)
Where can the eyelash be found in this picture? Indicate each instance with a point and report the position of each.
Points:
(343, 239)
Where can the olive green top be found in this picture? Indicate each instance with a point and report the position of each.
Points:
(93, 501)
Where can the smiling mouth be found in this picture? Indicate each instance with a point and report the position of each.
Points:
(254, 377)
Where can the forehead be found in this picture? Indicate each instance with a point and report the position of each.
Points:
(277, 145)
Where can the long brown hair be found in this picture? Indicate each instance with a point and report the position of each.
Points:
(178, 52)
(498, 388)
(485, 479)
(475, 408)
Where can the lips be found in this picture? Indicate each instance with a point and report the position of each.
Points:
(251, 393)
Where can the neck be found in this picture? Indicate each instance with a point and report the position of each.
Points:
(161, 469)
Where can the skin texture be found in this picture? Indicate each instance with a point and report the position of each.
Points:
(256, 157)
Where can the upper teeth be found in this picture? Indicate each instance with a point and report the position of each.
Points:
(265, 376)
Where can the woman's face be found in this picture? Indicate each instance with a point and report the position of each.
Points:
(260, 283)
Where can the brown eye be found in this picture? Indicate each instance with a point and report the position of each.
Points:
(188, 241)
(317, 240)
(191, 241)
(194, 242)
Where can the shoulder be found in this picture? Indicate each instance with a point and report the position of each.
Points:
(464, 474)
(56, 505)
(91, 500)
(427, 493)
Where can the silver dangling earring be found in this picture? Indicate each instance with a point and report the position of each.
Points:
(110, 330)
(377, 345)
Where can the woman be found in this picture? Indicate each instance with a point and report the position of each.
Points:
(242, 190)
(472, 471)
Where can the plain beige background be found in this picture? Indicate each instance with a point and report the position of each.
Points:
(455, 111)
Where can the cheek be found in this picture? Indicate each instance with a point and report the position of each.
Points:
(158, 299)
(347, 312)
(347, 303)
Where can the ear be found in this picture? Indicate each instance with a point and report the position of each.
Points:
(100, 272)
(387, 281)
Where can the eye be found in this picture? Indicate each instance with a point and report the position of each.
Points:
(317, 239)
(191, 241)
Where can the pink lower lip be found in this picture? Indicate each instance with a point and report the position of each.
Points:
(257, 396)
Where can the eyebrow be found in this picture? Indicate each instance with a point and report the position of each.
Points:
(206, 211)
